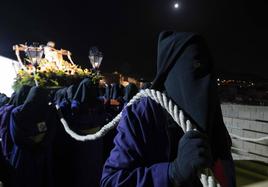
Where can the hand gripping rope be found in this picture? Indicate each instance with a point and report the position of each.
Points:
(171, 108)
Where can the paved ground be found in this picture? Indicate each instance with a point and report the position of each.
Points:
(251, 174)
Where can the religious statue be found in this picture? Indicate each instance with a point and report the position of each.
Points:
(47, 67)
(52, 54)
(17, 49)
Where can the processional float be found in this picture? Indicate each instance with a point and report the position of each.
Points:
(44, 65)
(35, 52)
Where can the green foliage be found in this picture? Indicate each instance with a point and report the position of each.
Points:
(49, 75)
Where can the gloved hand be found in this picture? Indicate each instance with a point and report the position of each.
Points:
(193, 154)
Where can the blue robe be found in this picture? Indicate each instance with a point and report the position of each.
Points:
(142, 149)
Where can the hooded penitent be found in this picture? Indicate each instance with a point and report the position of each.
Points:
(19, 96)
(147, 138)
(185, 72)
(78, 164)
(3, 99)
(28, 138)
(62, 152)
(116, 91)
(71, 91)
(88, 119)
(60, 96)
(130, 90)
(107, 94)
(85, 95)
(6, 143)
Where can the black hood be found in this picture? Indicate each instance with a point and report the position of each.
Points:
(86, 93)
(71, 90)
(19, 96)
(3, 99)
(184, 71)
(60, 95)
(35, 107)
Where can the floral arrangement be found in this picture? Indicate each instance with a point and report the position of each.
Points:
(48, 74)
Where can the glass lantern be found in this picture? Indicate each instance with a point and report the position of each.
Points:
(95, 57)
(35, 53)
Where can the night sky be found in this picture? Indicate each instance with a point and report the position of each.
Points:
(126, 31)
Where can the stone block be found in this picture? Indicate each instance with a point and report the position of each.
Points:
(249, 134)
(244, 114)
(256, 126)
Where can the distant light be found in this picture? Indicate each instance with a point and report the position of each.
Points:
(176, 5)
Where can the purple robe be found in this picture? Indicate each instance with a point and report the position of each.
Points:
(6, 142)
(142, 148)
(28, 156)
(6, 145)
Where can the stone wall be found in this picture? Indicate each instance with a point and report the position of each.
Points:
(251, 122)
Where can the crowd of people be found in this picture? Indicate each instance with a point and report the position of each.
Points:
(147, 148)
(35, 149)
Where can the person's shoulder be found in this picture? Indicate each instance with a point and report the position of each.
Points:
(143, 107)
(145, 114)
(6, 108)
(142, 104)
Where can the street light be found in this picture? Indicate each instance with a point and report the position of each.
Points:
(34, 53)
(95, 57)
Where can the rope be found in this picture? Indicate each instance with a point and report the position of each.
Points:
(168, 105)
(249, 139)
(157, 96)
